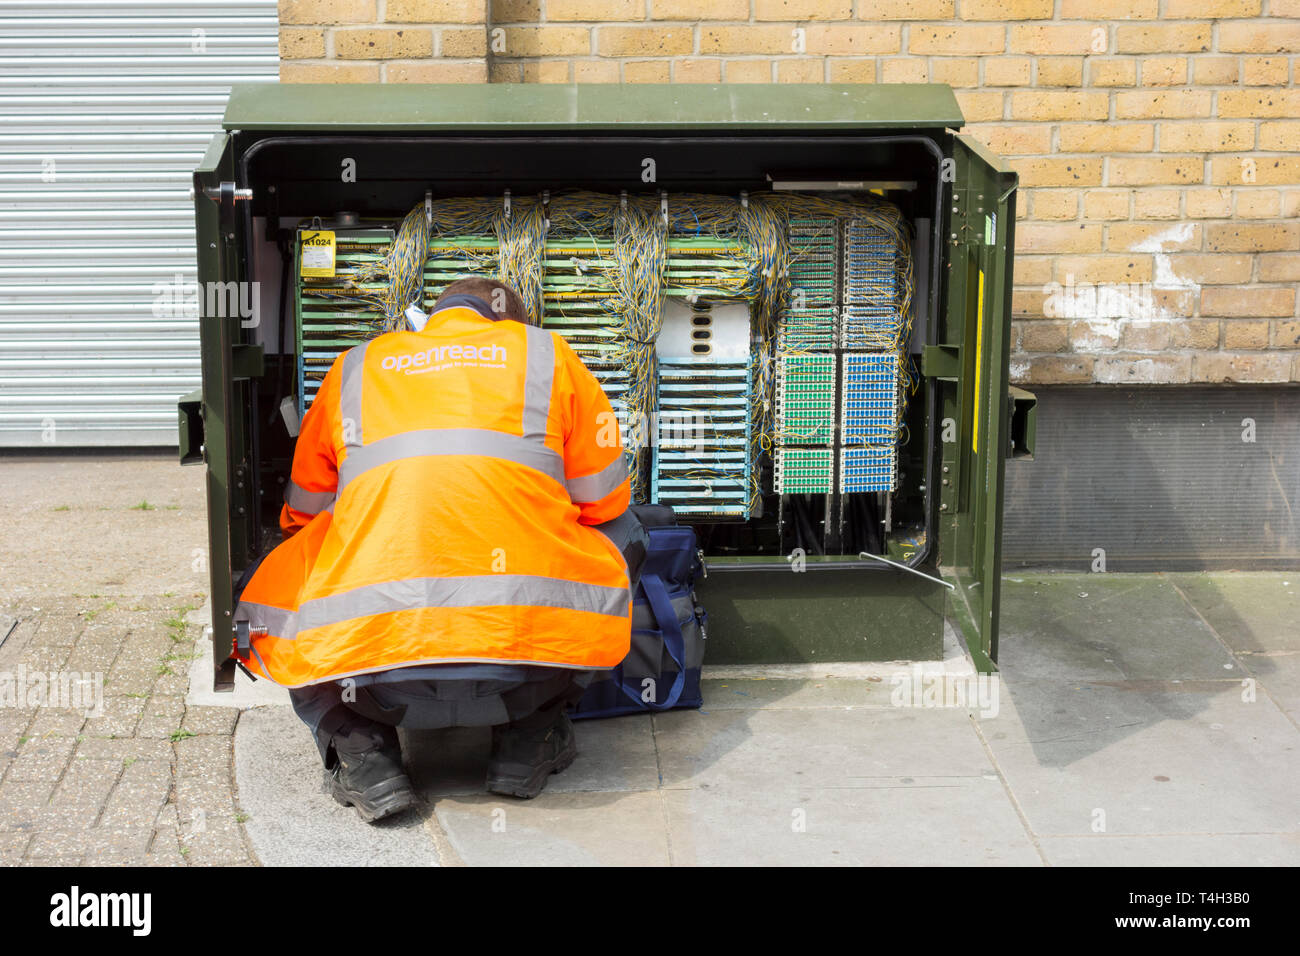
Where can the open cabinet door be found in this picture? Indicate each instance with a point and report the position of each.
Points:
(227, 363)
(977, 409)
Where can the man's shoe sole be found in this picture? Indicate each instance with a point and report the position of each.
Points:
(527, 788)
(382, 800)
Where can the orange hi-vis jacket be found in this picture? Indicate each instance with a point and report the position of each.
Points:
(439, 511)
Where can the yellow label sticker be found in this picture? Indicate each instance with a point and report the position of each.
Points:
(317, 255)
(979, 363)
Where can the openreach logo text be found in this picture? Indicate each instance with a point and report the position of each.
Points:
(74, 908)
(439, 354)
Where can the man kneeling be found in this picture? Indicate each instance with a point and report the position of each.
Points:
(458, 550)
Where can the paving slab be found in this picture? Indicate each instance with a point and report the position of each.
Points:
(558, 829)
(1253, 613)
(1152, 757)
(750, 751)
(884, 821)
(1176, 849)
(1105, 627)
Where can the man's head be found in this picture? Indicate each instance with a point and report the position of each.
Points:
(503, 301)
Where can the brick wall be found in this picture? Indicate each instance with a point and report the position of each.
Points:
(1158, 148)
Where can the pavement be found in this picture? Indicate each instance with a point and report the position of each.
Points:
(1137, 720)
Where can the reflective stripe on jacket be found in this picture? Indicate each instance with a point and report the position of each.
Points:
(439, 510)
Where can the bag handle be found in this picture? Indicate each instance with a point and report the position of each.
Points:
(661, 606)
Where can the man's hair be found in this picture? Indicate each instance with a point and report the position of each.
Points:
(504, 301)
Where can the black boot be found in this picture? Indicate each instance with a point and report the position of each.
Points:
(522, 758)
(367, 772)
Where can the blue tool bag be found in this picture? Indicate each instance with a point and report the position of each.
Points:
(662, 668)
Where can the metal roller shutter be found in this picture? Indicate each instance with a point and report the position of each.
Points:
(105, 109)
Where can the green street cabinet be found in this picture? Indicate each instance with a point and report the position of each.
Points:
(355, 159)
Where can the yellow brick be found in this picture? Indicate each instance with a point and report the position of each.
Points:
(1110, 9)
(329, 72)
(1213, 9)
(1053, 171)
(326, 12)
(1033, 270)
(1059, 38)
(505, 71)
(515, 11)
(1291, 204)
(1163, 38)
(595, 71)
(1058, 105)
(1008, 70)
(1162, 104)
(1285, 8)
(1194, 334)
(434, 11)
(546, 71)
(1206, 137)
(956, 40)
(1231, 302)
(697, 71)
(798, 10)
(1259, 103)
(911, 10)
(1264, 71)
(1164, 71)
(749, 71)
(1227, 367)
(384, 43)
(955, 71)
(1056, 370)
(853, 70)
(1286, 334)
(545, 41)
(1056, 204)
(800, 71)
(1006, 9)
(1136, 171)
(1042, 335)
(747, 39)
(1259, 203)
(1158, 204)
(437, 71)
(1123, 236)
(465, 43)
(1255, 170)
(1280, 135)
(1058, 237)
(1215, 70)
(1106, 204)
(1252, 237)
(1112, 72)
(1014, 140)
(1107, 137)
(645, 71)
(1145, 336)
(1217, 269)
(902, 69)
(1272, 36)
(1279, 268)
(846, 39)
(1209, 203)
(979, 106)
(690, 9)
(596, 10)
(298, 44)
(1060, 71)
(645, 41)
